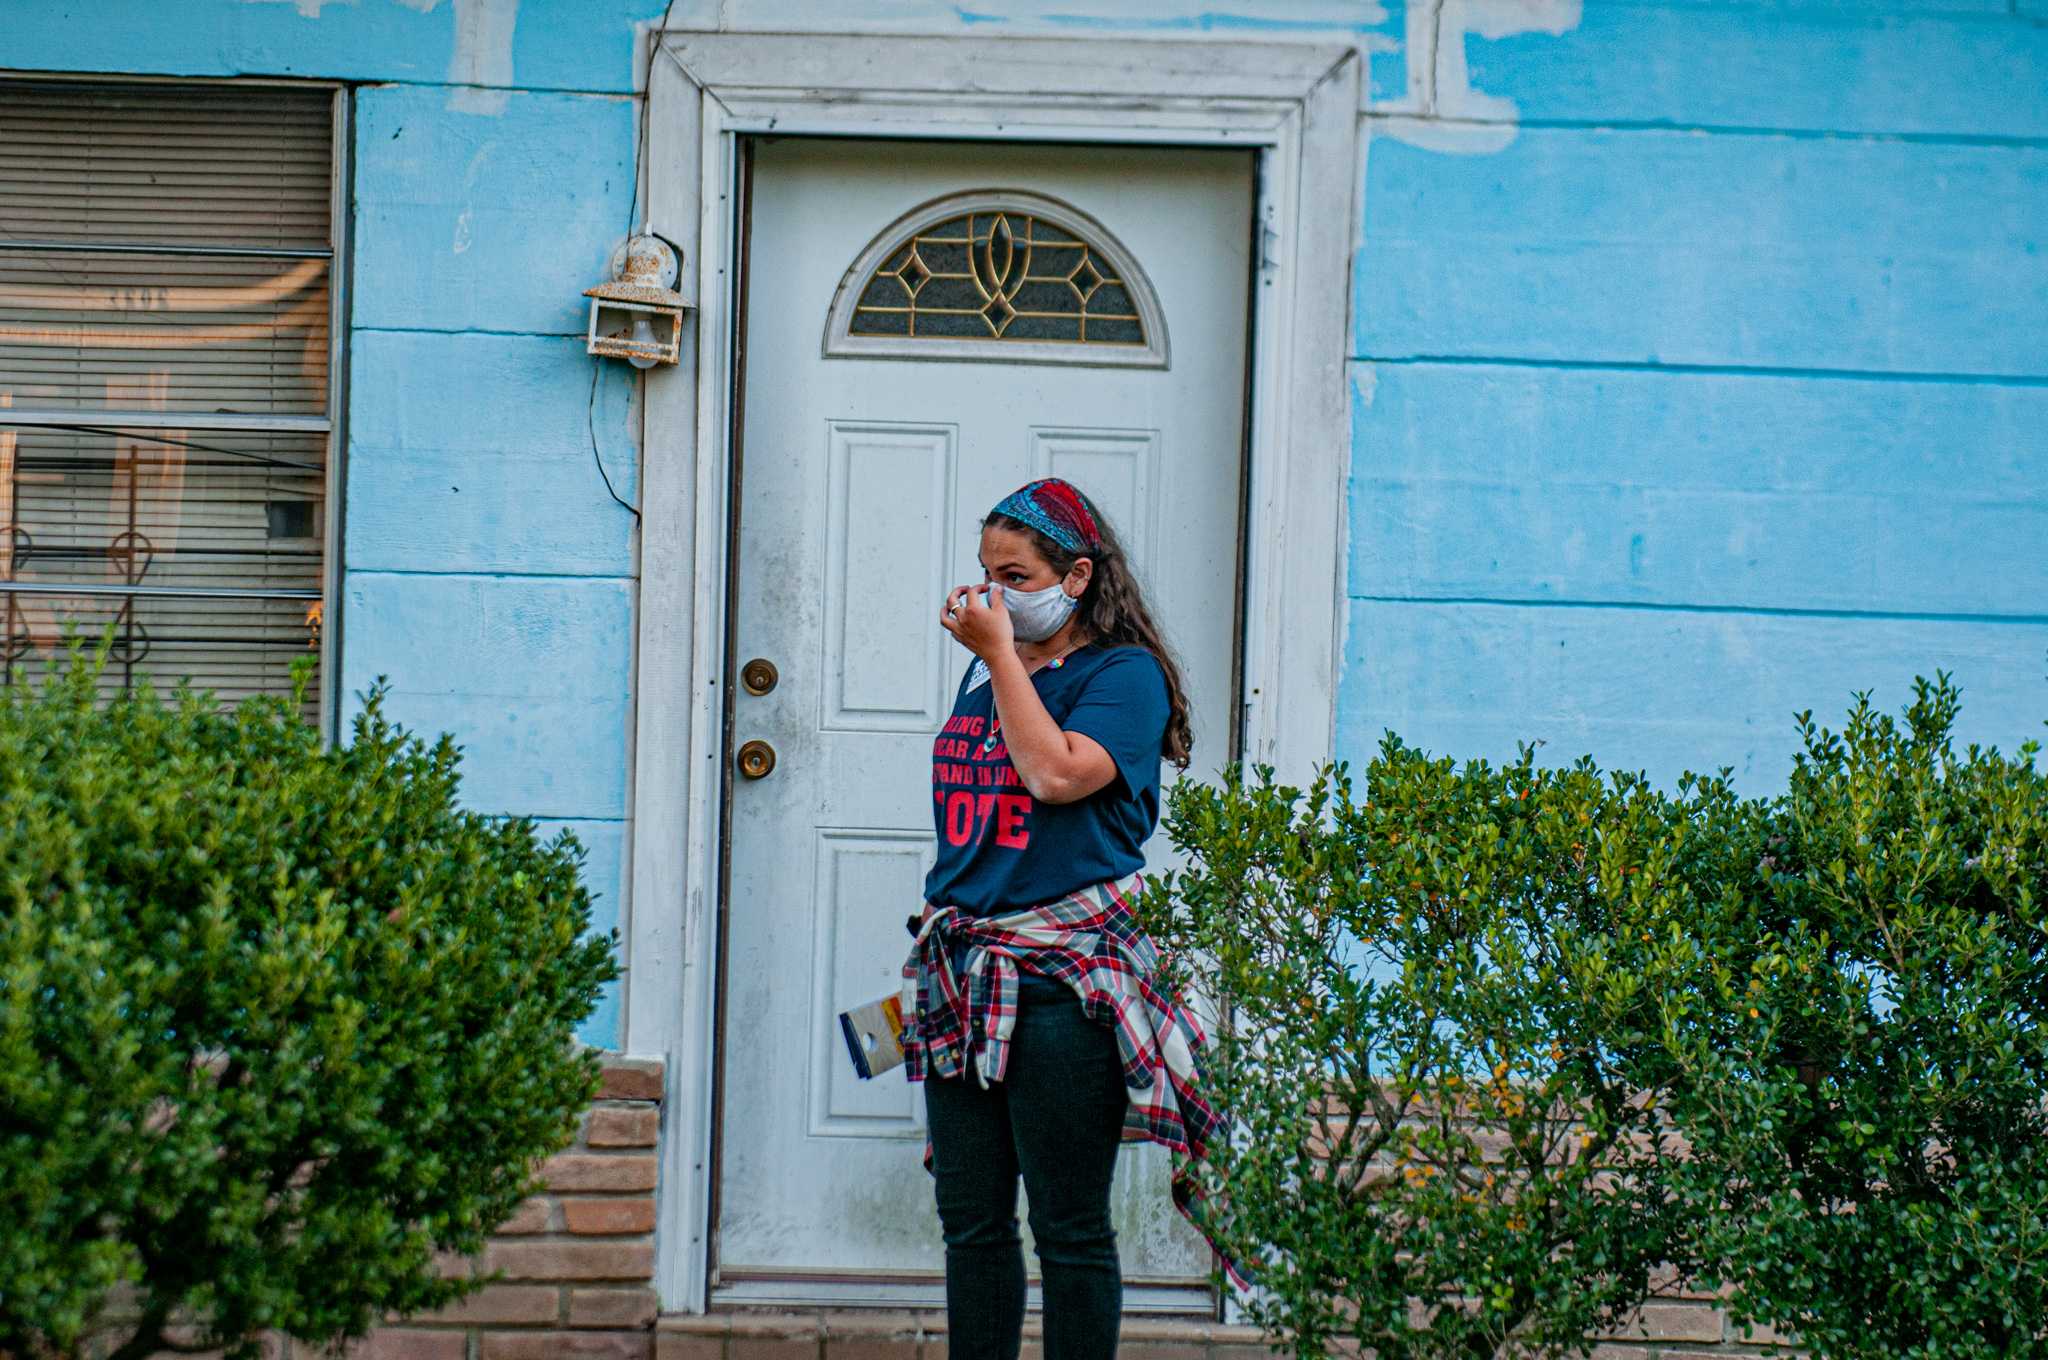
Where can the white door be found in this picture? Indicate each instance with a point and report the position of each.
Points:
(876, 434)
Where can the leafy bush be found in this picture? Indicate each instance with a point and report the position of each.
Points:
(1860, 1047)
(1509, 1047)
(278, 1022)
(1436, 1153)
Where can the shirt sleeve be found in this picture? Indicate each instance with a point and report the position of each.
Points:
(1123, 707)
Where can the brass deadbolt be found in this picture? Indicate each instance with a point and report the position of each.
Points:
(759, 675)
(756, 759)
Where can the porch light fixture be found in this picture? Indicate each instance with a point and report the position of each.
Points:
(638, 316)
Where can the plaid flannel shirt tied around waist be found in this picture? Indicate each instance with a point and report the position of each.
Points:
(959, 1021)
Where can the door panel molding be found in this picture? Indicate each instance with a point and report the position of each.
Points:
(1121, 470)
(858, 864)
(875, 487)
(1296, 104)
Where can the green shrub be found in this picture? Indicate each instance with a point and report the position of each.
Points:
(1859, 1049)
(1435, 1152)
(1510, 1046)
(278, 1022)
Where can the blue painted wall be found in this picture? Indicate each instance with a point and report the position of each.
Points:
(488, 573)
(1699, 375)
(1715, 390)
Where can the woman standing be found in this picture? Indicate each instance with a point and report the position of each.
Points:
(1037, 1028)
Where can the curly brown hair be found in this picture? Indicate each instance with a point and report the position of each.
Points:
(1112, 609)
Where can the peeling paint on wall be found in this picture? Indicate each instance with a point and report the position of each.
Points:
(308, 9)
(1456, 117)
(1365, 385)
(1197, 15)
(1357, 23)
(480, 68)
(1419, 47)
(464, 221)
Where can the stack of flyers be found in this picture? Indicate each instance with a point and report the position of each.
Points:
(874, 1035)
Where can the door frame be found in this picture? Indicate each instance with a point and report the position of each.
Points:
(1296, 104)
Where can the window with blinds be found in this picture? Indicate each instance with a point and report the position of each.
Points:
(167, 377)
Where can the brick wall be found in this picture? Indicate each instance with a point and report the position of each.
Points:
(577, 1260)
(578, 1267)
(578, 1263)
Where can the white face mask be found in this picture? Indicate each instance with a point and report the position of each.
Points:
(1036, 615)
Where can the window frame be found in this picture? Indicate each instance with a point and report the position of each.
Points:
(332, 425)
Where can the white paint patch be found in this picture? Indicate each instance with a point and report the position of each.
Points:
(1421, 47)
(1463, 120)
(308, 9)
(481, 65)
(1365, 381)
(423, 6)
(1496, 19)
(1456, 139)
(1417, 43)
(1493, 20)
(465, 221)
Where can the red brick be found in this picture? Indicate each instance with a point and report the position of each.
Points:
(566, 1346)
(801, 1326)
(269, 1346)
(876, 1348)
(870, 1325)
(582, 1171)
(623, 1126)
(504, 1303)
(1764, 1334)
(530, 1217)
(608, 1217)
(1672, 1322)
(612, 1307)
(631, 1079)
(404, 1343)
(452, 1266)
(771, 1348)
(688, 1346)
(1243, 1351)
(572, 1260)
(1162, 1350)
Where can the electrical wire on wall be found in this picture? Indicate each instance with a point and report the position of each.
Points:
(590, 425)
(632, 210)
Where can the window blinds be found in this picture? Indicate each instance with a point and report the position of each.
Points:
(166, 265)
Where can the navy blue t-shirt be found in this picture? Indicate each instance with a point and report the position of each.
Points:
(1000, 848)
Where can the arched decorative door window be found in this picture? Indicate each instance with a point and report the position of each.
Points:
(1001, 275)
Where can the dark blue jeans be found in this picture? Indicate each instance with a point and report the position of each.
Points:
(1056, 1120)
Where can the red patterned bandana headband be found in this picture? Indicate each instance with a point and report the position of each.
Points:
(1055, 509)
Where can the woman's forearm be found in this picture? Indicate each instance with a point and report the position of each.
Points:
(1043, 756)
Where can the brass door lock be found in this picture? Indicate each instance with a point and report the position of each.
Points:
(759, 675)
(756, 758)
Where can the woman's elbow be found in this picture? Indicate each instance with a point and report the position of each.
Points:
(1055, 788)
(1066, 786)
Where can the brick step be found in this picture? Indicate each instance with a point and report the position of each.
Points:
(874, 1334)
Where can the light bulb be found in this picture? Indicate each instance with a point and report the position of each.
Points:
(643, 334)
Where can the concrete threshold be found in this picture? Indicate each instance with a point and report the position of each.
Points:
(875, 1334)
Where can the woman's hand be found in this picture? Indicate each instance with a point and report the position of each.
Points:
(979, 621)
